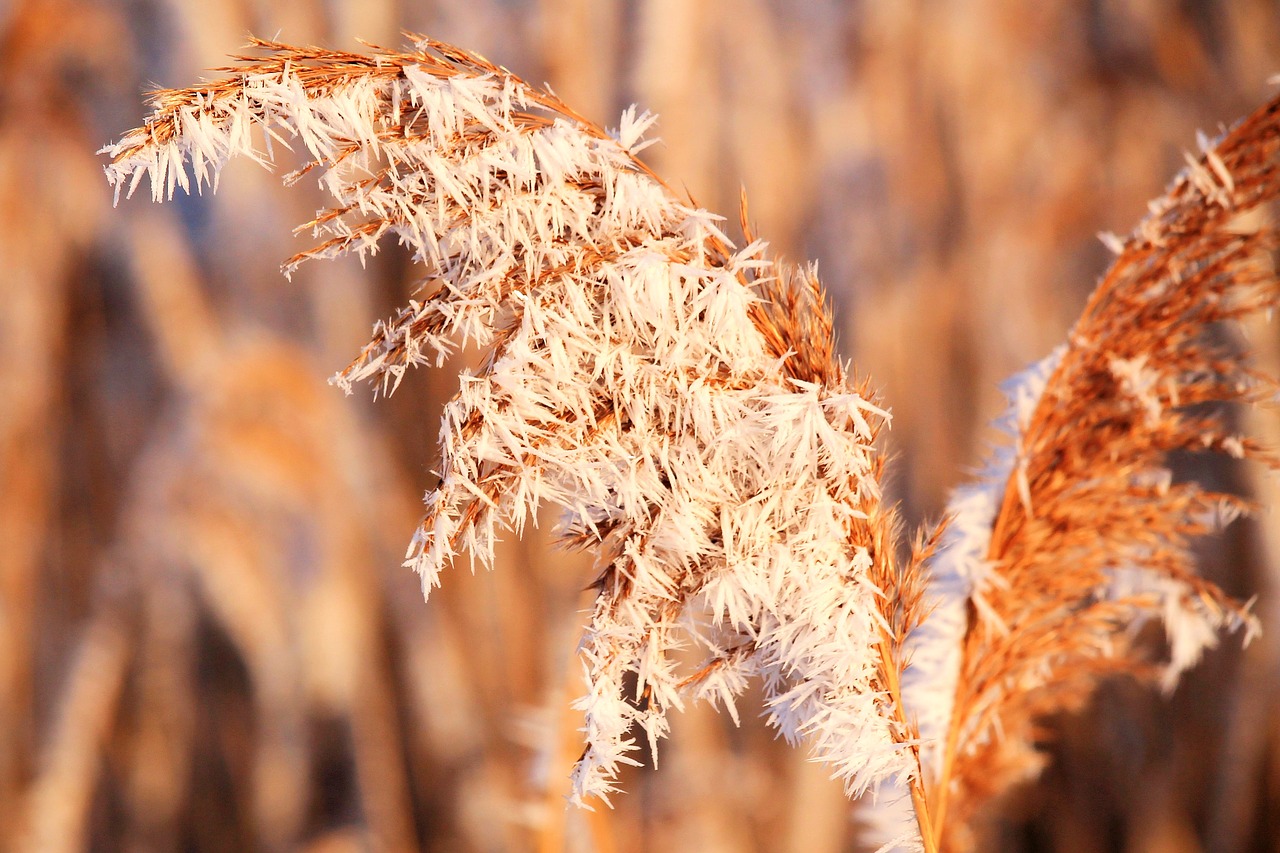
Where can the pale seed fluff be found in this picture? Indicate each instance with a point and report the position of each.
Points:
(628, 385)
(960, 573)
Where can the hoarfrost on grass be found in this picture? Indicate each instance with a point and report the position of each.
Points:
(627, 383)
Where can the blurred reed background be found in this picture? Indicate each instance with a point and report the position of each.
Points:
(206, 639)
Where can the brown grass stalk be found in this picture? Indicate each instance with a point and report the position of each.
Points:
(1091, 492)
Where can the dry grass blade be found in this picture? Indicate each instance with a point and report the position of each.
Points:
(1091, 532)
(60, 801)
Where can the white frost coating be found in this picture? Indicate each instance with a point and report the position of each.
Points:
(1113, 241)
(1140, 382)
(632, 128)
(1213, 182)
(630, 387)
(1191, 625)
(959, 571)
(889, 821)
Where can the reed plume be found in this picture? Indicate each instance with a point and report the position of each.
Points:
(1079, 534)
(679, 399)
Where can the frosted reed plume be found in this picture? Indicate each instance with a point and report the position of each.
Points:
(1078, 534)
(678, 398)
(675, 395)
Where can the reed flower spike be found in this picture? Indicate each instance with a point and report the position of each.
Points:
(679, 398)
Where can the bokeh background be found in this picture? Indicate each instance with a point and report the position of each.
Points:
(207, 642)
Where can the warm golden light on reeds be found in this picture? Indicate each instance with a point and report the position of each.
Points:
(207, 641)
(679, 400)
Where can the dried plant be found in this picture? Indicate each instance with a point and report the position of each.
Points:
(680, 400)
